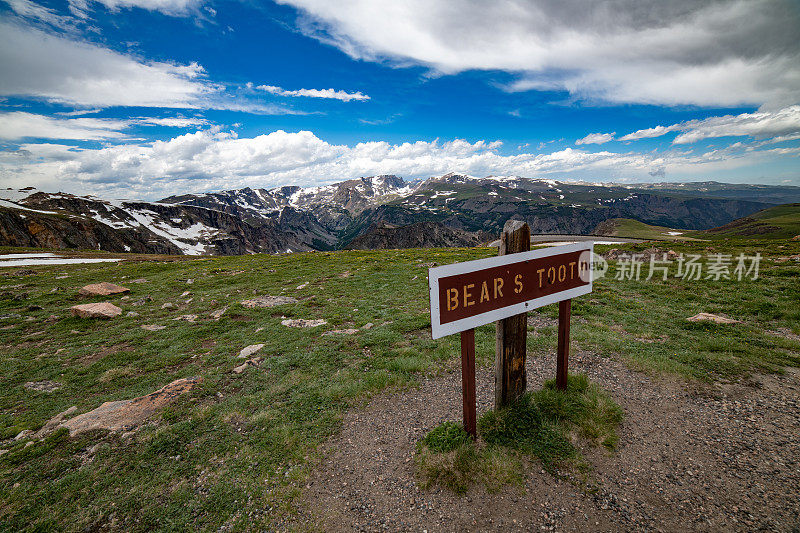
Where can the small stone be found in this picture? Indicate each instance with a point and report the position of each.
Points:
(139, 280)
(250, 350)
(218, 313)
(142, 301)
(169, 305)
(708, 317)
(43, 386)
(132, 314)
(368, 325)
(185, 294)
(96, 310)
(152, 327)
(303, 323)
(187, 318)
(302, 286)
(102, 289)
(250, 362)
(349, 331)
(24, 434)
(268, 301)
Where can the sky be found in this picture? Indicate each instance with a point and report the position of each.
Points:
(148, 98)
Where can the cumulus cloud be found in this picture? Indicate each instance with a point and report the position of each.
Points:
(703, 52)
(783, 124)
(344, 96)
(596, 138)
(214, 160)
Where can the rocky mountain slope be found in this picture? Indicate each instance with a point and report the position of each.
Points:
(453, 209)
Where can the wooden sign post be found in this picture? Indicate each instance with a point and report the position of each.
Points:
(467, 295)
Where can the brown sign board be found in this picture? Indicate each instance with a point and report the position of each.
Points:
(473, 293)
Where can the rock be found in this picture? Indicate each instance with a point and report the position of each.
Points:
(268, 301)
(302, 286)
(188, 318)
(250, 350)
(125, 415)
(185, 294)
(142, 301)
(140, 280)
(132, 314)
(189, 281)
(349, 331)
(708, 317)
(52, 424)
(796, 238)
(43, 386)
(216, 315)
(368, 325)
(303, 323)
(169, 305)
(96, 310)
(24, 434)
(152, 327)
(102, 289)
(250, 362)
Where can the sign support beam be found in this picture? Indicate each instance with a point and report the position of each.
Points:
(510, 378)
(468, 381)
(564, 315)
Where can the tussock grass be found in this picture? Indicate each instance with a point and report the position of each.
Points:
(541, 424)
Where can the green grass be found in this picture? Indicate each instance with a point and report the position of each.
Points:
(634, 229)
(235, 451)
(779, 222)
(541, 424)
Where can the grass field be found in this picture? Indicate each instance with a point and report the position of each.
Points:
(234, 452)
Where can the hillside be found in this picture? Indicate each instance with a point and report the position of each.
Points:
(779, 222)
(634, 229)
(281, 438)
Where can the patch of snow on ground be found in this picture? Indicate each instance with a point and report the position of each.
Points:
(674, 233)
(15, 195)
(12, 205)
(54, 260)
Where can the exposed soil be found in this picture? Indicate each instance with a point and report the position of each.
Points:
(690, 458)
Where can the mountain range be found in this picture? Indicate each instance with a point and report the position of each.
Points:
(370, 212)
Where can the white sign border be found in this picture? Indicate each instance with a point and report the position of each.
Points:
(439, 330)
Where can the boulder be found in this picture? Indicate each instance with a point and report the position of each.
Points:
(708, 317)
(250, 350)
(52, 424)
(268, 301)
(96, 310)
(124, 415)
(102, 289)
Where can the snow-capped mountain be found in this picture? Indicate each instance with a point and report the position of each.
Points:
(370, 209)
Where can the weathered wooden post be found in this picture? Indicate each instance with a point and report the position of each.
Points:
(562, 357)
(512, 332)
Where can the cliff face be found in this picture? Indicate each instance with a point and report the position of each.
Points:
(419, 235)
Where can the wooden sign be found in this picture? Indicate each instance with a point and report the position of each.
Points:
(474, 293)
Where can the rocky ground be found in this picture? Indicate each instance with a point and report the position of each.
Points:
(690, 457)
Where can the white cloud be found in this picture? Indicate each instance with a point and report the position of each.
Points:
(173, 122)
(167, 7)
(596, 138)
(17, 125)
(57, 69)
(344, 96)
(213, 160)
(714, 53)
(783, 124)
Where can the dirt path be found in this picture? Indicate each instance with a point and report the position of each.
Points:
(719, 459)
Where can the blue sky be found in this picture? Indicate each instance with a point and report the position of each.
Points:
(146, 98)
